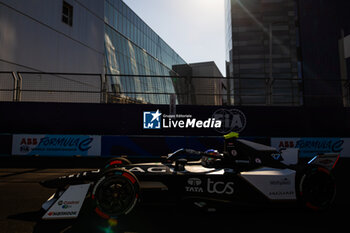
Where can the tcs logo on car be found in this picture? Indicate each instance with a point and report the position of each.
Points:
(217, 187)
(220, 187)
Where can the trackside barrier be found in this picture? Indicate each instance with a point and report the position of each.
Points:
(136, 146)
(311, 146)
(9, 86)
(107, 146)
(56, 87)
(56, 145)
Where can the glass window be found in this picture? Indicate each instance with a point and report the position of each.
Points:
(115, 3)
(124, 7)
(127, 65)
(143, 28)
(110, 14)
(149, 32)
(132, 88)
(138, 23)
(113, 37)
(136, 53)
(121, 63)
(134, 18)
(106, 11)
(67, 13)
(119, 6)
(118, 44)
(120, 22)
(129, 14)
(138, 36)
(124, 25)
(128, 29)
(115, 18)
(132, 27)
(148, 44)
(124, 46)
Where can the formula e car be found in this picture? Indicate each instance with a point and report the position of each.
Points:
(246, 172)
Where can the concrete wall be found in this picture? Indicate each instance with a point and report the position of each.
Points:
(33, 36)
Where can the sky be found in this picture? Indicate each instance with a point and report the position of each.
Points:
(195, 29)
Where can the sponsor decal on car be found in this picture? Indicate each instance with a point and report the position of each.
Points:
(281, 193)
(276, 156)
(194, 181)
(220, 187)
(194, 185)
(217, 187)
(67, 204)
(258, 160)
(149, 169)
(284, 181)
(68, 213)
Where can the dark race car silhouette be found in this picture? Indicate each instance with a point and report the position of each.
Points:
(246, 172)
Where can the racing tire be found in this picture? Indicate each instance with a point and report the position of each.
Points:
(116, 162)
(115, 193)
(317, 188)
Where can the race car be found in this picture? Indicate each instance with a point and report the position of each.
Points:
(245, 172)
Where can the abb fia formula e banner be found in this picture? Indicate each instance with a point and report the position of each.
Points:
(309, 147)
(56, 145)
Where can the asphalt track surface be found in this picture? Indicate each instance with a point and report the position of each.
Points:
(21, 197)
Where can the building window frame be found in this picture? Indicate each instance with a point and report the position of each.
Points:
(67, 13)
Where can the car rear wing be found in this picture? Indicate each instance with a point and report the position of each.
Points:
(327, 161)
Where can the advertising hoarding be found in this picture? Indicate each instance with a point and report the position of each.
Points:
(56, 145)
(309, 147)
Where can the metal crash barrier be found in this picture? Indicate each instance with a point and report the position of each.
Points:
(159, 89)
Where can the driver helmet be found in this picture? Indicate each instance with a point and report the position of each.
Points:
(209, 161)
(212, 152)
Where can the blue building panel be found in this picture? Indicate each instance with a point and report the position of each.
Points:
(133, 48)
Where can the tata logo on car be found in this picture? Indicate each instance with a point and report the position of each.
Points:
(194, 185)
(220, 187)
(194, 181)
